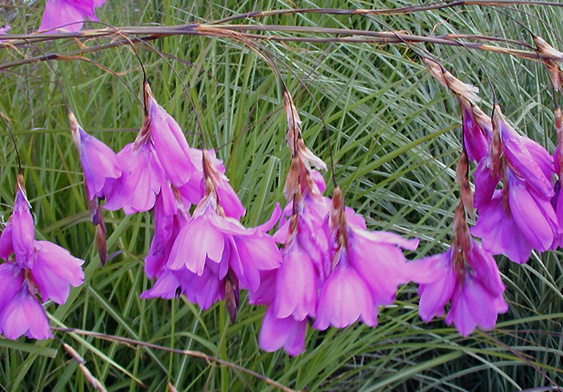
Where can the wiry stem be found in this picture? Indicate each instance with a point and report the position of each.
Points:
(197, 354)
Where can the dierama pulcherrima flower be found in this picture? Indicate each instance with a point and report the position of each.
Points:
(69, 14)
(213, 255)
(519, 217)
(99, 163)
(365, 272)
(158, 158)
(467, 276)
(48, 270)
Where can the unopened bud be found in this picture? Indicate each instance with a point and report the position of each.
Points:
(231, 296)
(101, 244)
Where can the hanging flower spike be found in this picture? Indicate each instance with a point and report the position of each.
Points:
(519, 217)
(291, 291)
(49, 271)
(68, 15)
(215, 244)
(367, 268)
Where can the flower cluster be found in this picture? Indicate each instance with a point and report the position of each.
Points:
(207, 255)
(519, 216)
(334, 271)
(467, 276)
(29, 268)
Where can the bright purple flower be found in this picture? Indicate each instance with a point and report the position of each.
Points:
(166, 228)
(169, 143)
(19, 234)
(158, 159)
(54, 270)
(516, 221)
(36, 266)
(367, 271)
(194, 190)
(282, 332)
(519, 217)
(25, 315)
(99, 163)
(476, 131)
(470, 280)
(344, 298)
(11, 280)
(296, 286)
(4, 30)
(69, 14)
(211, 238)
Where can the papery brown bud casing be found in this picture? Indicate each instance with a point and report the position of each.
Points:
(462, 178)
(452, 83)
(552, 65)
(496, 142)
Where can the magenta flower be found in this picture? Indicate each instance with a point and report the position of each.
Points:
(210, 256)
(4, 30)
(476, 293)
(169, 143)
(158, 159)
(477, 130)
(99, 162)
(194, 190)
(36, 266)
(21, 232)
(211, 238)
(519, 217)
(69, 14)
(166, 228)
(288, 333)
(23, 314)
(367, 269)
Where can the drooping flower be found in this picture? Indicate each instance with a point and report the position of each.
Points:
(466, 276)
(519, 217)
(68, 14)
(470, 280)
(477, 130)
(158, 159)
(99, 163)
(31, 267)
(211, 255)
(366, 270)
(23, 314)
(287, 332)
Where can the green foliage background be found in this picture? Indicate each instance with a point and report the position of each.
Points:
(396, 137)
